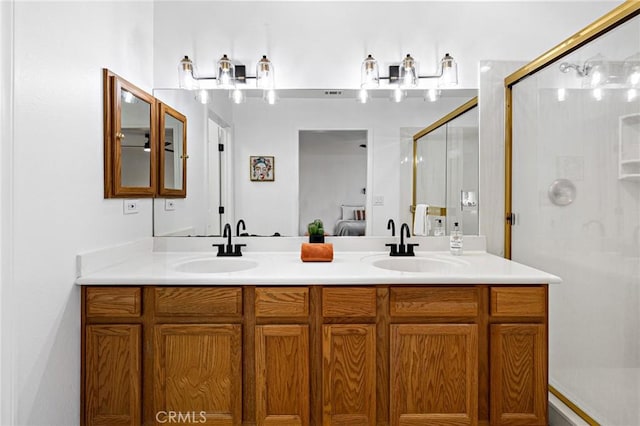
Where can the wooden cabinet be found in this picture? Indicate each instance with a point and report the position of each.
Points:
(197, 372)
(434, 374)
(282, 375)
(313, 355)
(113, 375)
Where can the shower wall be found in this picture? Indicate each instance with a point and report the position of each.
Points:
(579, 218)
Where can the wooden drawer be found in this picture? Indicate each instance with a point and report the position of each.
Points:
(282, 302)
(113, 302)
(518, 301)
(349, 302)
(434, 302)
(198, 301)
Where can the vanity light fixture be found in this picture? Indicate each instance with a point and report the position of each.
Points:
(598, 72)
(228, 76)
(406, 75)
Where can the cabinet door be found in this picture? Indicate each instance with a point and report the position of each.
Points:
(112, 375)
(518, 374)
(198, 374)
(282, 375)
(434, 374)
(349, 375)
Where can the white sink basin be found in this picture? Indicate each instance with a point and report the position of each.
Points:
(215, 265)
(419, 264)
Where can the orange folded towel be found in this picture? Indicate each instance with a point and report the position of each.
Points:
(316, 252)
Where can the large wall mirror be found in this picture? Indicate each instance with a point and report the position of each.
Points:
(445, 177)
(309, 135)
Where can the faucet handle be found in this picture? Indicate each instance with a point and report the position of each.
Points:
(394, 249)
(238, 249)
(410, 249)
(220, 249)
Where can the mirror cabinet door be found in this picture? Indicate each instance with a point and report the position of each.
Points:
(130, 139)
(172, 153)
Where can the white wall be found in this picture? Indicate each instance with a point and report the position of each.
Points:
(58, 206)
(322, 44)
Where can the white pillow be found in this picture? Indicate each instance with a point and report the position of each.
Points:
(348, 211)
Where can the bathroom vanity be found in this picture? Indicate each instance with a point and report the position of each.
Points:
(280, 342)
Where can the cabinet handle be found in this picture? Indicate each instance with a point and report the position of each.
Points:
(120, 135)
(184, 156)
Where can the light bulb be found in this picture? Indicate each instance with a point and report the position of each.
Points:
(632, 94)
(264, 74)
(226, 73)
(408, 74)
(449, 76)
(369, 74)
(185, 74)
(128, 97)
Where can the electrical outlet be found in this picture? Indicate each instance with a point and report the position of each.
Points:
(378, 200)
(169, 204)
(131, 206)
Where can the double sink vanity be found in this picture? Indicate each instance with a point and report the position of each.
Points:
(175, 334)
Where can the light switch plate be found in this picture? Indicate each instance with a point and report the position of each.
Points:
(131, 206)
(169, 204)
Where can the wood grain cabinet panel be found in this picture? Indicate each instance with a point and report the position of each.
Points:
(113, 302)
(518, 301)
(434, 374)
(434, 302)
(518, 375)
(282, 375)
(198, 301)
(349, 302)
(112, 375)
(198, 372)
(349, 375)
(282, 302)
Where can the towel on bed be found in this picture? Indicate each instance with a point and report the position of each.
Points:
(421, 224)
(316, 252)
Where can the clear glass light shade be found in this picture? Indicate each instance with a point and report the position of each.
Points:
(408, 72)
(185, 74)
(369, 73)
(127, 97)
(449, 68)
(264, 74)
(226, 73)
(631, 69)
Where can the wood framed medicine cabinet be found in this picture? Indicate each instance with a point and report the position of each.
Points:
(172, 157)
(135, 126)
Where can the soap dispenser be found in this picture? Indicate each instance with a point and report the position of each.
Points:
(439, 229)
(455, 240)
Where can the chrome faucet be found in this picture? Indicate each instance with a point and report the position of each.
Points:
(229, 249)
(402, 249)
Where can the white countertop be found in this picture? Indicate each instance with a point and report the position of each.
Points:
(286, 268)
